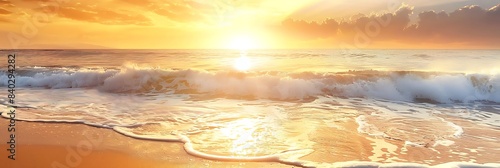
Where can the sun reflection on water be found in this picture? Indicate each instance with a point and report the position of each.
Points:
(244, 135)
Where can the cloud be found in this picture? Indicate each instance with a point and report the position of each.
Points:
(203, 11)
(4, 14)
(178, 10)
(182, 12)
(6, 3)
(5, 20)
(96, 14)
(468, 25)
(4, 11)
(313, 29)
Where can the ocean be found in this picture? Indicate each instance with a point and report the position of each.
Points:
(317, 108)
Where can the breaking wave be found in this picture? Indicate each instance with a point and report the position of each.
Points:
(390, 85)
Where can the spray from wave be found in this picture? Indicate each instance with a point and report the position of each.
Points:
(390, 85)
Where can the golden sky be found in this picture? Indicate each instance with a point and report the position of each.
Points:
(215, 24)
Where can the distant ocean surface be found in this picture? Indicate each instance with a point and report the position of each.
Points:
(284, 106)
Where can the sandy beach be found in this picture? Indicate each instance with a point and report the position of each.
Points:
(62, 145)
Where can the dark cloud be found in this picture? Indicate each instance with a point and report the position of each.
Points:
(311, 29)
(470, 24)
(375, 26)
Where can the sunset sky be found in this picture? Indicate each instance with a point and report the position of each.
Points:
(215, 24)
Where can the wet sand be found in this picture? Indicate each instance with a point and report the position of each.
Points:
(63, 145)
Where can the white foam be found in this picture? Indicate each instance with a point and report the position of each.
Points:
(188, 147)
(458, 130)
(440, 88)
(409, 143)
(467, 165)
(365, 128)
(367, 164)
(444, 88)
(444, 142)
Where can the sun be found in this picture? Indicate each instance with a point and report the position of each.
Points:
(242, 63)
(242, 43)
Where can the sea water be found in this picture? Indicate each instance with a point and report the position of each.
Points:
(285, 106)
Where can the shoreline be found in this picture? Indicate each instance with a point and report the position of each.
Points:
(74, 144)
(45, 144)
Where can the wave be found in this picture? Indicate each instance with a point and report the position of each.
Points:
(391, 85)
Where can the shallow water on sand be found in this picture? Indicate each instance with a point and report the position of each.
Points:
(321, 112)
